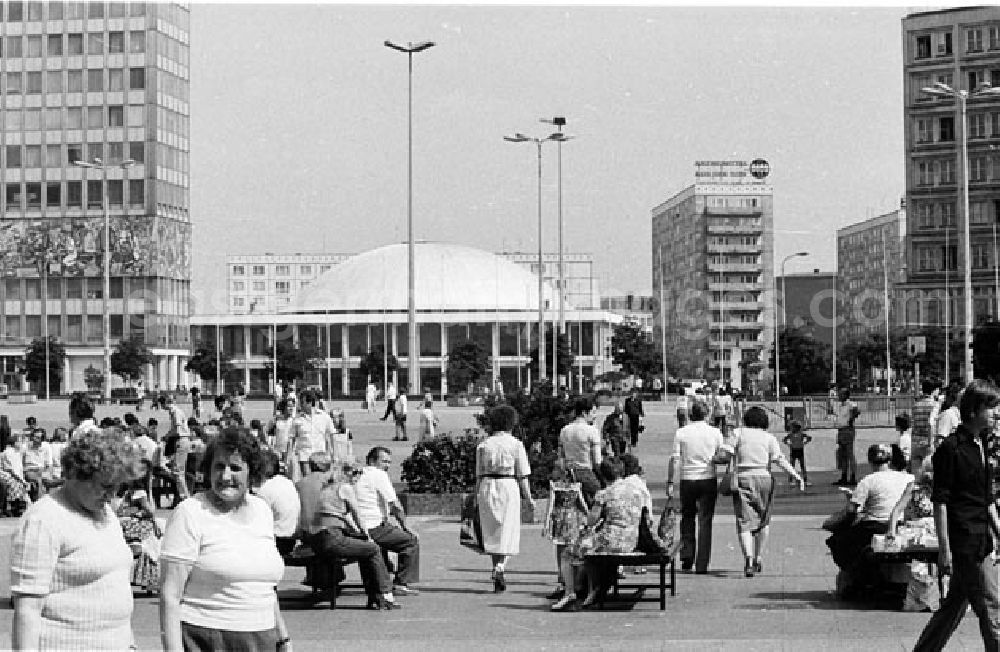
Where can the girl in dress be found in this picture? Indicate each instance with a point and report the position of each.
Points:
(137, 517)
(565, 516)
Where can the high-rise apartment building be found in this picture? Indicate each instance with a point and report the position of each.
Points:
(960, 48)
(266, 283)
(106, 83)
(713, 252)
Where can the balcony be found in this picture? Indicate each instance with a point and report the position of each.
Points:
(738, 229)
(736, 325)
(746, 268)
(733, 210)
(733, 249)
(734, 306)
(735, 287)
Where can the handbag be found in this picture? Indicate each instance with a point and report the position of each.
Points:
(728, 483)
(470, 534)
(649, 538)
(668, 519)
(840, 520)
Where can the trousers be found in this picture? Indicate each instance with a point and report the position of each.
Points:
(392, 538)
(697, 504)
(973, 582)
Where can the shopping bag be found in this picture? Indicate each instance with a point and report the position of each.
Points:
(470, 533)
(649, 539)
(665, 528)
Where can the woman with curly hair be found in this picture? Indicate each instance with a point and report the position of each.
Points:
(70, 564)
(219, 565)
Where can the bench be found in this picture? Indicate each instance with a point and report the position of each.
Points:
(325, 578)
(609, 563)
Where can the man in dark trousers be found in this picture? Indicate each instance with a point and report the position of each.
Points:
(633, 410)
(964, 514)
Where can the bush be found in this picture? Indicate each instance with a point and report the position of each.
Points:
(444, 464)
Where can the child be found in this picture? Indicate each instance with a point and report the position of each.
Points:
(428, 421)
(905, 437)
(796, 439)
(565, 516)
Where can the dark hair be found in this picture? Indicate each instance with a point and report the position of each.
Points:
(235, 439)
(192, 422)
(928, 386)
(698, 409)
(879, 454)
(308, 396)
(282, 404)
(219, 401)
(502, 418)
(903, 421)
(374, 452)
(152, 422)
(611, 469)
(582, 405)
(107, 422)
(897, 460)
(81, 406)
(795, 425)
(756, 417)
(320, 461)
(255, 423)
(129, 419)
(31, 421)
(846, 391)
(630, 464)
(978, 394)
(271, 464)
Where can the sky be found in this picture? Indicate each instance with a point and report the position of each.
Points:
(299, 125)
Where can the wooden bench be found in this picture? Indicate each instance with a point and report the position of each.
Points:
(326, 579)
(609, 563)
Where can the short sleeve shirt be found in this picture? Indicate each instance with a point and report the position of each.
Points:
(280, 495)
(878, 493)
(695, 445)
(578, 440)
(374, 492)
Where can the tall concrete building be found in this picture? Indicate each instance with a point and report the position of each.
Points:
(961, 48)
(104, 83)
(870, 267)
(713, 250)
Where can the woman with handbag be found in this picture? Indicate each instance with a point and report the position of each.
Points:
(752, 488)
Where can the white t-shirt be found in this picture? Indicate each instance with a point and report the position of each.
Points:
(695, 445)
(427, 422)
(280, 495)
(374, 493)
(309, 433)
(947, 421)
(878, 493)
(147, 446)
(906, 444)
(235, 563)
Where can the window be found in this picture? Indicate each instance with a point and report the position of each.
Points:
(116, 80)
(74, 196)
(14, 47)
(977, 168)
(923, 47)
(13, 155)
(925, 216)
(15, 11)
(974, 40)
(32, 156)
(74, 81)
(53, 118)
(946, 129)
(115, 192)
(53, 156)
(924, 174)
(137, 9)
(305, 270)
(239, 270)
(95, 151)
(944, 44)
(95, 10)
(980, 256)
(925, 131)
(74, 117)
(34, 47)
(116, 9)
(12, 83)
(281, 270)
(116, 151)
(33, 119)
(116, 42)
(116, 116)
(137, 41)
(95, 198)
(995, 38)
(258, 270)
(947, 210)
(239, 286)
(975, 77)
(137, 78)
(282, 287)
(259, 286)
(74, 153)
(53, 194)
(33, 83)
(946, 171)
(33, 193)
(95, 119)
(95, 43)
(95, 80)
(74, 44)
(137, 151)
(979, 212)
(12, 196)
(54, 81)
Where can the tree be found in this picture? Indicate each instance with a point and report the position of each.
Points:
(633, 349)
(375, 363)
(129, 358)
(203, 362)
(468, 362)
(565, 358)
(295, 362)
(93, 378)
(805, 361)
(34, 362)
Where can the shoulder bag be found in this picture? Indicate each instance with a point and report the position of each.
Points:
(728, 483)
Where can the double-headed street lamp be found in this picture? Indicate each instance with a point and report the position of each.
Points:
(414, 370)
(106, 321)
(521, 138)
(559, 122)
(777, 338)
(940, 89)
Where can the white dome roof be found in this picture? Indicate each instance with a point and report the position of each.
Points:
(448, 277)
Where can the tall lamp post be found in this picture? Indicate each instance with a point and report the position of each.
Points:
(106, 307)
(559, 122)
(414, 371)
(521, 138)
(777, 338)
(940, 89)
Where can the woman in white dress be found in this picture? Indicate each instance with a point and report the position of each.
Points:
(502, 472)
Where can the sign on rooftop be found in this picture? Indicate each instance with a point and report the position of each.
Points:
(742, 172)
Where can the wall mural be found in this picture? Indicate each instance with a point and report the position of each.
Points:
(74, 247)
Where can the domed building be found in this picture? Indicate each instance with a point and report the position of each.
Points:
(461, 293)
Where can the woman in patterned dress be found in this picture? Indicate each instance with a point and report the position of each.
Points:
(14, 488)
(137, 517)
(565, 516)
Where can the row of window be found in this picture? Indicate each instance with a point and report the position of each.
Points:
(279, 270)
(939, 172)
(74, 331)
(280, 287)
(741, 259)
(932, 258)
(73, 81)
(932, 215)
(70, 194)
(56, 45)
(74, 117)
(57, 156)
(722, 240)
(18, 11)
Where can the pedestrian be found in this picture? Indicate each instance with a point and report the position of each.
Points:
(196, 403)
(140, 392)
(399, 412)
(428, 421)
(580, 448)
(502, 473)
(390, 400)
(949, 417)
(280, 428)
(696, 449)
(965, 514)
(846, 413)
(178, 429)
(565, 516)
(635, 414)
(81, 415)
(371, 394)
(796, 440)
(312, 431)
(614, 432)
(921, 441)
(905, 441)
(682, 406)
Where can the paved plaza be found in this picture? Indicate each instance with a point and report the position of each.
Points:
(789, 607)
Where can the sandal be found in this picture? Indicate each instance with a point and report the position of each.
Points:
(499, 582)
(567, 603)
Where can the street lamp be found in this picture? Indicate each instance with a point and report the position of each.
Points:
(106, 321)
(409, 49)
(521, 138)
(559, 122)
(777, 340)
(940, 89)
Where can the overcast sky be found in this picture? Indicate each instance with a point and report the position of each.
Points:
(299, 126)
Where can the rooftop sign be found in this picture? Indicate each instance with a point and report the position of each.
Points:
(748, 172)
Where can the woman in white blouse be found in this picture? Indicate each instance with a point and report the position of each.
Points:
(219, 563)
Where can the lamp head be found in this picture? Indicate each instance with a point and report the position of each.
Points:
(557, 121)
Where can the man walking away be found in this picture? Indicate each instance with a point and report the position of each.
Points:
(635, 414)
(921, 439)
(390, 401)
(846, 413)
(964, 513)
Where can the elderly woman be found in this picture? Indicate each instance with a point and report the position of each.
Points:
(218, 562)
(755, 450)
(502, 472)
(70, 564)
(872, 502)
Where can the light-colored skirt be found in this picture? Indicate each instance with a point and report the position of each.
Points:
(500, 515)
(752, 502)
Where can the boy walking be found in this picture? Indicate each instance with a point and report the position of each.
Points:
(796, 440)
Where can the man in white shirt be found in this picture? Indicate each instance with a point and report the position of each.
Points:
(81, 415)
(311, 432)
(376, 502)
(390, 401)
(400, 418)
(695, 448)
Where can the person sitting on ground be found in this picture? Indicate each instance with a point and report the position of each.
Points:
(280, 495)
(872, 501)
